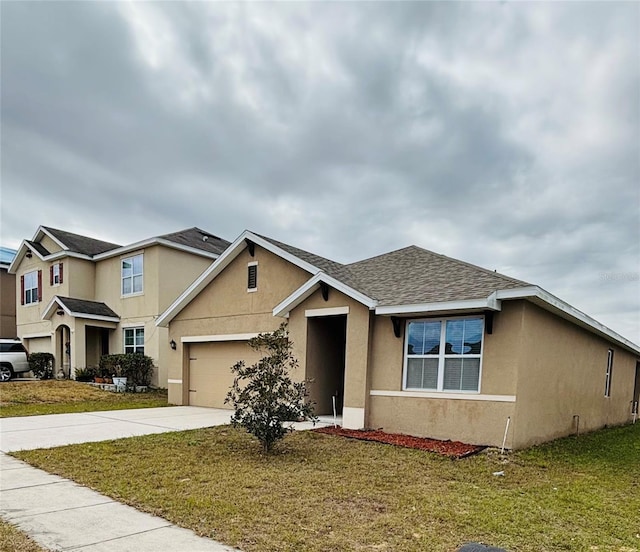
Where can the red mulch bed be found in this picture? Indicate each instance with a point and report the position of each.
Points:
(452, 449)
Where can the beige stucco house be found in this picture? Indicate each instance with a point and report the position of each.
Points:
(410, 341)
(80, 298)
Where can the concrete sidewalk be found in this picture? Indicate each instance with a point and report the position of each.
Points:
(62, 515)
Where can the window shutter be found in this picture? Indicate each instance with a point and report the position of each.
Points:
(51, 275)
(61, 265)
(22, 290)
(39, 285)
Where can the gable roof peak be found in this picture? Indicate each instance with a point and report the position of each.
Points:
(78, 243)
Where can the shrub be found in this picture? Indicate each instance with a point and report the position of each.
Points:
(41, 365)
(263, 395)
(137, 368)
(86, 374)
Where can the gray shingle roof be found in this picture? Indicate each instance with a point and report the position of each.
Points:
(39, 248)
(327, 265)
(410, 276)
(415, 275)
(83, 306)
(81, 244)
(195, 237)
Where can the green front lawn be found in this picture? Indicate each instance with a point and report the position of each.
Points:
(326, 493)
(31, 398)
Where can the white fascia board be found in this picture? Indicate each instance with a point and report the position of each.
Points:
(553, 303)
(55, 304)
(490, 303)
(47, 311)
(63, 254)
(310, 286)
(22, 250)
(217, 338)
(95, 317)
(220, 264)
(202, 281)
(297, 297)
(43, 230)
(53, 257)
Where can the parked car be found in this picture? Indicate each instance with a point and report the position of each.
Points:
(13, 359)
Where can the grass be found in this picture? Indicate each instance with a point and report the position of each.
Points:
(14, 540)
(324, 493)
(31, 398)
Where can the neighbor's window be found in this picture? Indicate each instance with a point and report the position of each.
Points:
(55, 275)
(444, 354)
(134, 340)
(609, 374)
(252, 277)
(132, 275)
(31, 287)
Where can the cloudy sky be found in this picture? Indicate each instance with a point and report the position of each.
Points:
(504, 134)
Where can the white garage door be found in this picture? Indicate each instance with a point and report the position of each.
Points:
(210, 376)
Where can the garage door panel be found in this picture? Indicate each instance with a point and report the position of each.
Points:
(210, 375)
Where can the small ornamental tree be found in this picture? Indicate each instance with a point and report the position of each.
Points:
(263, 395)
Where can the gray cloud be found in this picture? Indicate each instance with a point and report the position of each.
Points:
(504, 134)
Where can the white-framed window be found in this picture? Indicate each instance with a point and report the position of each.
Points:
(31, 293)
(443, 354)
(56, 274)
(134, 340)
(608, 374)
(132, 275)
(252, 276)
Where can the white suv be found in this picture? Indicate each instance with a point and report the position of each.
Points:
(13, 359)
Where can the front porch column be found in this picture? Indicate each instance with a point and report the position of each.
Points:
(356, 368)
(78, 347)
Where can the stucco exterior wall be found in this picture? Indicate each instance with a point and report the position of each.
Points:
(176, 271)
(356, 349)
(563, 375)
(78, 281)
(50, 245)
(226, 307)
(7, 304)
(109, 286)
(480, 419)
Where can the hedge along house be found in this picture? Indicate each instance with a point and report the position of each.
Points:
(79, 298)
(409, 341)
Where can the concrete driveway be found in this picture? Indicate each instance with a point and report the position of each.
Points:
(55, 430)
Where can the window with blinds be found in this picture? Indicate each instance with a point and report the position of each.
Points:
(444, 354)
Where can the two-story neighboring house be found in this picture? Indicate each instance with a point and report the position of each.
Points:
(80, 298)
(7, 295)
